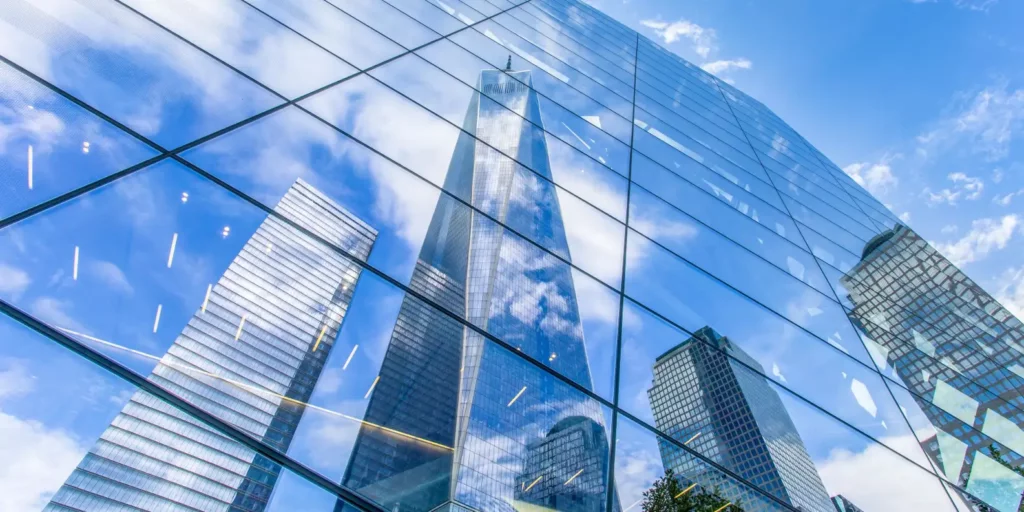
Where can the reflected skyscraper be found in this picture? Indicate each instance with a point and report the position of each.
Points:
(956, 349)
(447, 384)
(704, 397)
(245, 356)
(844, 505)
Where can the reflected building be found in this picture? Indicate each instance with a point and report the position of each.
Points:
(702, 396)
(956, 349)
(502, 432)
(246, 357)
(844, 505)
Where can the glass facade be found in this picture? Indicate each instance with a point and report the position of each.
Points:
(459, 255)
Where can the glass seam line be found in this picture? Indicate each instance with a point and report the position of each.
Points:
(797, 394)
(503, 343)
(610, 502)
(777, 191)
(366, 72)
(174, 155)
(345, 78)
(28, 212)
(877, 371)
(427, 301)
(187, 146)
(140, 382)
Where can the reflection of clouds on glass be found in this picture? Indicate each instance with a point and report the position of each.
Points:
(37, 459)
(168, 77)
(13, 281)
(873, 480)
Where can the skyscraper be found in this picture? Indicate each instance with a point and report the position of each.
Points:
(956, 349)
(246, 357)
(446, 384)
(843, 505)
(495, 371)
(704, 397)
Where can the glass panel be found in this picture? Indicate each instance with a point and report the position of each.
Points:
(700, 245)
(249, 41)
(650, 468)
(51, 146)
(652, 272)
(129, 68)
(659, 360)
(340, 33)
(386, 19)
(402, 139)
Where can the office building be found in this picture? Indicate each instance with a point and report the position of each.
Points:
(446, 383)
(955, 348)
(704, 397)
(248, 357)
(554, 200)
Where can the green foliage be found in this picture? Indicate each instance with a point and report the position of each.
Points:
(667, 495)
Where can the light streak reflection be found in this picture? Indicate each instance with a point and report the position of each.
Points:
(255, 389)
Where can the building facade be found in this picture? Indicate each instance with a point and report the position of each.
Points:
(843, 505)
(703, 396)
(440, 380)
(957, 349)
(249, 358)
(593, 261)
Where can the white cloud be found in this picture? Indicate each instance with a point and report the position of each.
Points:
(1011, 291)
(950, 229)
(905, 217)
(997, 175)
(877, 479)
(13, 281)
(964, 187)
(704, 42)
(53, 312)
(1006, 199)
(985, 123)
(876, 177)
(37, 458)
(720, 66)
(986, 235)
(112, 276)
(15, 380)
(704, 39)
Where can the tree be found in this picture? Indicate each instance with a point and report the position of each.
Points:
(997, 455)
(667, 494)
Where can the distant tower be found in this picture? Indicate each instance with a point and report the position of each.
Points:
(956, 348)
(242, 339)
(469, 397)
(843, 505)
(731, 415)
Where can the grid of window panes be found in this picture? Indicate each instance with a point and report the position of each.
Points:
(457, 255)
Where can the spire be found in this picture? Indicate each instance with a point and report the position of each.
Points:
(508, 65)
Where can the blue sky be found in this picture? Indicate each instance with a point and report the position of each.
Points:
(923, 100)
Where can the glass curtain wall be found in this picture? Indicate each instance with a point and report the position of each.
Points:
(458, 255)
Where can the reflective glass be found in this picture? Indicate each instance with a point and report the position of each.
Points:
(131, 69)
(51, 146)
(459, 255)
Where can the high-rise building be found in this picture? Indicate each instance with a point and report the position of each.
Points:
(956, 349)
(444, 383)
(704, 397)
(843, 505)
(556, 200)
(249, 358)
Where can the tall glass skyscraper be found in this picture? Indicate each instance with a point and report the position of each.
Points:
(593, 264)
(441, 381)
(249, 358)
(731, 415)
(957, 350)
